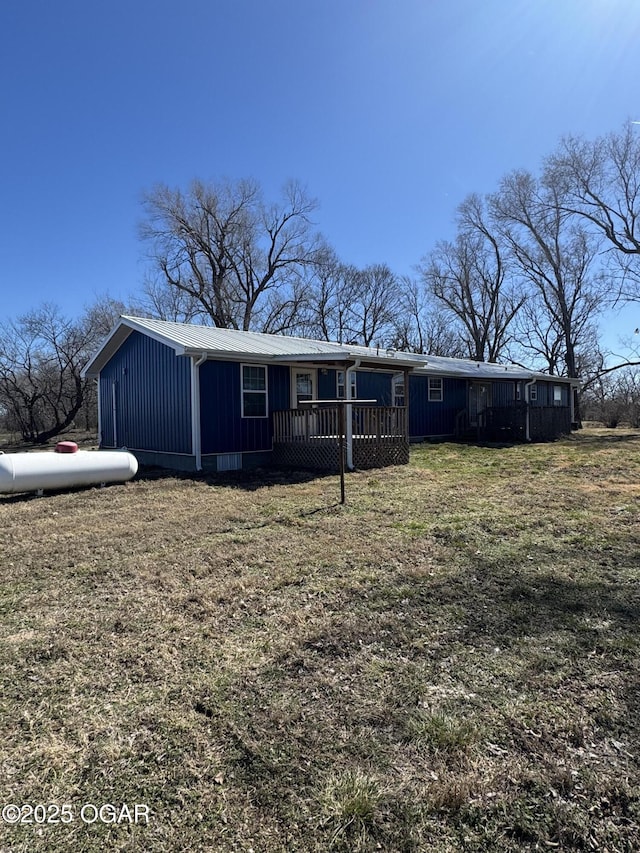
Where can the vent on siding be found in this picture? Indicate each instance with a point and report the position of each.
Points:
(229, 462)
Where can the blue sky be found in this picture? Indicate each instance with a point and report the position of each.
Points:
(390, 111)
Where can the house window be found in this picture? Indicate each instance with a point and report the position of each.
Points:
(557, 395)
(340, 389)
(397, 387)
(533, 393)
(254, 391)
(435, 390)
(518, 393)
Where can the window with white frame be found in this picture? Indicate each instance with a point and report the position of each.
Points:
(254, 391)
(340, 386)
(533, 392)
(436, 394)
(557, 395)
(397, 387)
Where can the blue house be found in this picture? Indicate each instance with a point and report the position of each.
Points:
(191, 397)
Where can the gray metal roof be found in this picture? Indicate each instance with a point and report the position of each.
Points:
(187, 339)
(213, 340)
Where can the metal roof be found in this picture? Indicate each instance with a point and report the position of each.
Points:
(189, 339)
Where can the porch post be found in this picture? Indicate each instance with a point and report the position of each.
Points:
(349, 412)
(406, 402)
(196, 436)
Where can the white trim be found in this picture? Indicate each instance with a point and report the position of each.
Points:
(431, 379)
(196, 432)
(293, 391)
(244, 390)
(106, 345)
(398, 379)
(354, 383)
(159, 452)
(527, 396)
(348, 413)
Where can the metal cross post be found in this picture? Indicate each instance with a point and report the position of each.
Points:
(342, 432)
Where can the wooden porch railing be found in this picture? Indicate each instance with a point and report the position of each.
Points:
(310, 437)
(367, 423)
(304, 424)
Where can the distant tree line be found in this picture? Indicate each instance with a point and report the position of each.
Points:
(526, 277)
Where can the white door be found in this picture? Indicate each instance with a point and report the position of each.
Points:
(303, 386)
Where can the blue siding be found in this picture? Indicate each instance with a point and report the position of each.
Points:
(545, 393)
(257, 433)
(427, 418)
(223, 428)
(153, 397)
(106, 411)
(541, 392)
(369, 385)
(279, 388)
(326, 384)
(503, 393)
(220, 407)
(375, 386)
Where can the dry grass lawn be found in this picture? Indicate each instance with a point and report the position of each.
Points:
(449, 662)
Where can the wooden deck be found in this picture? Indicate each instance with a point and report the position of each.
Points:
(509, 423)
(311, 437)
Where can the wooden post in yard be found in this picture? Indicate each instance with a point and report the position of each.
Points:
(341, 438)
(341, 449)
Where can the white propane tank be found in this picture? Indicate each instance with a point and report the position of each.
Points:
(29, 472)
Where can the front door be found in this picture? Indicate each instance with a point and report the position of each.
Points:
(479, 400)
(303, 386)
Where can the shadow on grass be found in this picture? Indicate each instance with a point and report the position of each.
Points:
(604, 439)
(350, 691)
(25, 497)
(250, 480)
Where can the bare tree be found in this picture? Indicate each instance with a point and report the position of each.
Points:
(164, 302)
(375, 303)
(42, 353)
(235, 257)
(99, 318)
(600, 182)
(614, 398)
(351, 305)
(554, 254)
(421, 326)
(328, 317)
(536, 339)
(468, 277)
(41, 356)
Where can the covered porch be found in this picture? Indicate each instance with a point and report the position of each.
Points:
(314, 436)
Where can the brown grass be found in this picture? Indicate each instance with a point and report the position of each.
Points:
(449, 662)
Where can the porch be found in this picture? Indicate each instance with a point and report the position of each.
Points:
(373, 436)
(509, 423)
